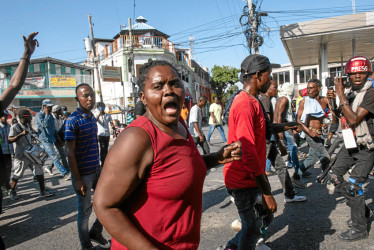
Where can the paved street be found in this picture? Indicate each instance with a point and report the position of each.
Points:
(32, 223)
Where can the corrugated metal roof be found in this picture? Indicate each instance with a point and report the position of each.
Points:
(141, 26)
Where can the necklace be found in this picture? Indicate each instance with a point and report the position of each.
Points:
(249, 93)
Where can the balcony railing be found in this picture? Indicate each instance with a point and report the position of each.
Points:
(146, 42)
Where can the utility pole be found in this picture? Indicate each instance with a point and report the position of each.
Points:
(95, 59)
(253, 20)
(251, 24)
(131, 63)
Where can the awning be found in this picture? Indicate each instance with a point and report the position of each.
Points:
(342, 35)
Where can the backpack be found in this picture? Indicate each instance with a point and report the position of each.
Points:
(226, 110)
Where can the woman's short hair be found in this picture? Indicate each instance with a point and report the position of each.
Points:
(146, 67)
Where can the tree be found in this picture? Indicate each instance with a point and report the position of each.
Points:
(226, 96)
(222, 77)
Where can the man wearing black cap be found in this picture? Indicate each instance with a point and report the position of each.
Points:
(245, 179)
(20, 134)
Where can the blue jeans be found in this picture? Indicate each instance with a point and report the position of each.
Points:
(220, 129)
(245, 200)
(292, 147)
(55, 157)
(317, 151)
(268, 166)
(61, 150)
(85, 210)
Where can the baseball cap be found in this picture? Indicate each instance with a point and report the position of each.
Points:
(47, 102)
(24, 113)
(56, 108)
(254, 63)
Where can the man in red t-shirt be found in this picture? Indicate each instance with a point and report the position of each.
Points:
(245, 179)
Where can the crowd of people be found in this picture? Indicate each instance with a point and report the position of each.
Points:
(148, 186)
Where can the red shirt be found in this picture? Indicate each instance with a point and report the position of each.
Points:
(246, 124)
(167, 206)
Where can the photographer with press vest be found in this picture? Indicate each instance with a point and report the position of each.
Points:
(356, 112)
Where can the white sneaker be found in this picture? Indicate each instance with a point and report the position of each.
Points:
(236, 225)
(48, 170)
(232, 199)
(296, 198)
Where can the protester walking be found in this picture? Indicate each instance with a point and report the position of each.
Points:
(104, 120)
(7, 149)
(245, 180)
(46, 135)
(356, 110)
(57, 114)
(83, 155)
(20, 135)
(195, 125)
(215, 120)
(15, 85)
(149, 195)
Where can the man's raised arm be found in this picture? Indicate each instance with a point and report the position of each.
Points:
(20, 75)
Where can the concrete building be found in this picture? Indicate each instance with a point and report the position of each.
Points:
(320, 48)
(47, 78)
(148, 43)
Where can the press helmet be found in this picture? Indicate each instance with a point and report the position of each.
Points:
(358, 64)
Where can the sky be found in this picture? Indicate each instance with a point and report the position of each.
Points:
(219, 38)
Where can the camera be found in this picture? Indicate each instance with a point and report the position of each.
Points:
(345, 81)
(330, 82)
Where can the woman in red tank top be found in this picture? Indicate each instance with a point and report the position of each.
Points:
(149, 194)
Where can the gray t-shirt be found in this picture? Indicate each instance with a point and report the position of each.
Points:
(266, 103)
(195, 116)
(22, 142)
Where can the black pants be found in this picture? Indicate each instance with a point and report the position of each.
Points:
(5, 169)
(363, 159)
(104, 144)
(281, 169)
(203, 144)
(8, 164)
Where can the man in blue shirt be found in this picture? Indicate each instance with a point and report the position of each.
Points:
(7, 149)
(46, 134)
(83, 155)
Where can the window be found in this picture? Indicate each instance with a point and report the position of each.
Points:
(287, 76)
(308, 75)
(281, 78)
(275, 77)
(335, 71)
(302, 76)
(314, 73)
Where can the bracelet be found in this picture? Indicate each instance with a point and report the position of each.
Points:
(27, 60)
(343, 104)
